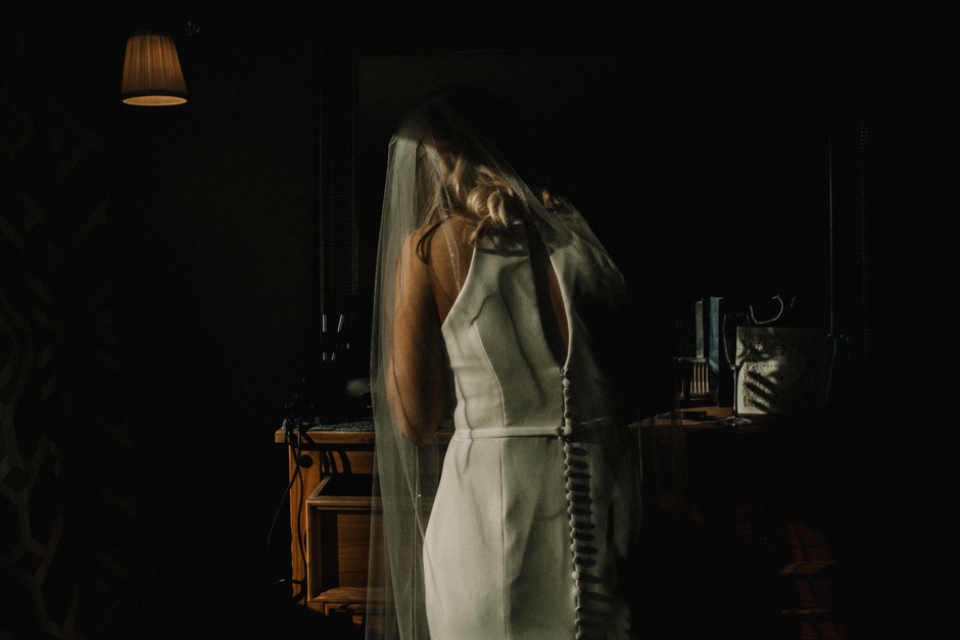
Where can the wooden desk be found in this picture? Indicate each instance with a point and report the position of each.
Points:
(727, 539)
(738, 531)
(330, 515)
(331, 505)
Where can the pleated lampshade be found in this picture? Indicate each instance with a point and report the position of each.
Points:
(151, 72)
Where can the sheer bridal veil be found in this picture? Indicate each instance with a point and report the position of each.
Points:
(433, 153)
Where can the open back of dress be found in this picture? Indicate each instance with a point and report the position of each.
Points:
(537, 503)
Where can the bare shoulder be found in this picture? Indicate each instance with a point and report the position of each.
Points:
(415, 241)
(438, 243)
(442, 252)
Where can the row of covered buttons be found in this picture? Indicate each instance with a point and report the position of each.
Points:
(577, 483)
(566, 430)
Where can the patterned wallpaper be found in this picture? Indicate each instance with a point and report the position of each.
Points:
(67, 505)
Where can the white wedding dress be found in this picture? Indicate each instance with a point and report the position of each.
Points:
(538, 501)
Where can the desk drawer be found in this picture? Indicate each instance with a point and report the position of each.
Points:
(338, 535)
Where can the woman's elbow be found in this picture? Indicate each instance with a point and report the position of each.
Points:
(409, 423)
(418, 437)
(420, 429)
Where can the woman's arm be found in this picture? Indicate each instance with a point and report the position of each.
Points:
(415, 377)
(428, 281)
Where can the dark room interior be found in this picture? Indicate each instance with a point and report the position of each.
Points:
(164, 271)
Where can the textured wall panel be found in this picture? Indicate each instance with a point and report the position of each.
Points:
(67, 512)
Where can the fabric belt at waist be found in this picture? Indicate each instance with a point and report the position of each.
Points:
(504, 432)
(581, 429)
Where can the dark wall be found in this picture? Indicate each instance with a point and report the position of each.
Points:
(160, 283)
(223, 279)
(65, 415)
(159, 293)
(223, 282)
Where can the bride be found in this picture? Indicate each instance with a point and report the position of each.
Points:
(484, 290)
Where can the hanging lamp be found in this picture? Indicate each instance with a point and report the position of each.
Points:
(151, 72)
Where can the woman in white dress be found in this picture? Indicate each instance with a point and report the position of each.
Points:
(482, 294)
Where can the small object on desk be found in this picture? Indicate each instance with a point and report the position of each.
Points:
(783, 369)
(695, 380)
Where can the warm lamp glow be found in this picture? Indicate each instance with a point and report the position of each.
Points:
(151, 72)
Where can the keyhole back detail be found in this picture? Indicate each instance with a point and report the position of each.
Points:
(549, 295)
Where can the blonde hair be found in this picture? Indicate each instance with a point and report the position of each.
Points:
(473, 191)
(458, 182)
